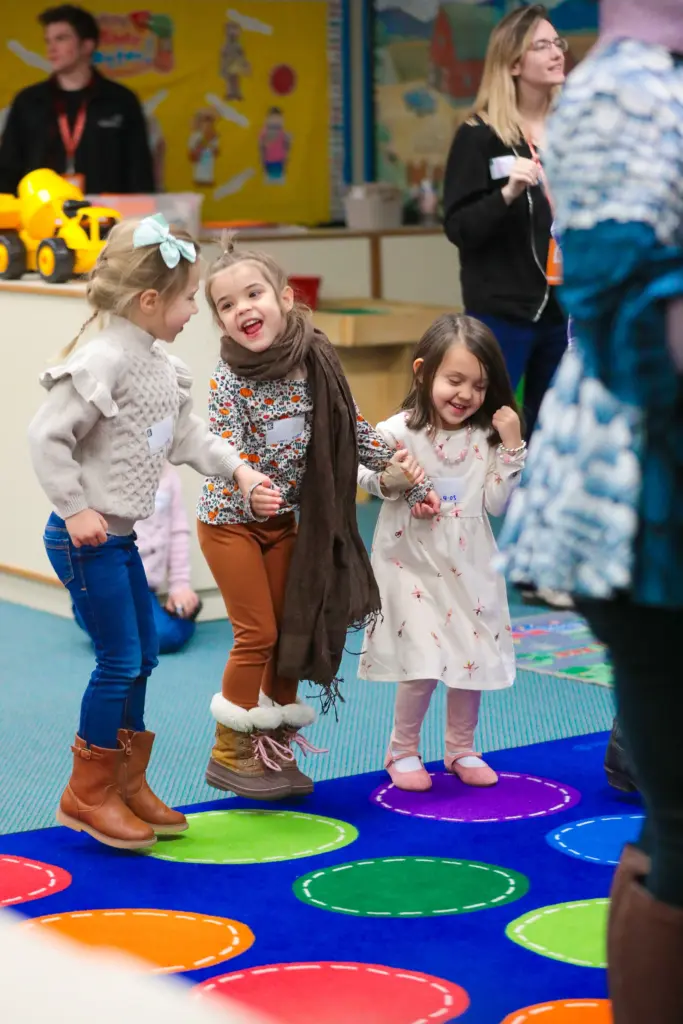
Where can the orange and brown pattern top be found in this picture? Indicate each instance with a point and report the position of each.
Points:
(245, 412)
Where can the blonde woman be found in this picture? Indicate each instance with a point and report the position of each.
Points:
(497, 211)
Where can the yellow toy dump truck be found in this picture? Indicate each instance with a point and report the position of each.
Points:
(50, 227)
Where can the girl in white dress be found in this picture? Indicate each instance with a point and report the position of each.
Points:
(444, 608)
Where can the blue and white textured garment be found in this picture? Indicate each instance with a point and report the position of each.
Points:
(572, 524)
(601, 504)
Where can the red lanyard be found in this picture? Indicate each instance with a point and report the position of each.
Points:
(71, 139)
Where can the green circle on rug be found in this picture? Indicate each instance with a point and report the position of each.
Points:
(410, 887)
(575, 933)
(253, 837)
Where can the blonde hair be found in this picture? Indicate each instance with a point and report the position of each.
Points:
(496, 101)
(297, 317)
(123, 272)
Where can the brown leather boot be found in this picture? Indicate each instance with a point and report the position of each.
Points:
(92, 802)
(240, 761)
(294, 717)
(135, 789)
(644, 950)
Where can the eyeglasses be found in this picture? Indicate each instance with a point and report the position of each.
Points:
(541, 45)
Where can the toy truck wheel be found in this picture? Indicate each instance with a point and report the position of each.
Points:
(12, 256)
(55, 261)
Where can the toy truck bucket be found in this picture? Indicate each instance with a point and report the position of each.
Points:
(10, 215)
(41, 194)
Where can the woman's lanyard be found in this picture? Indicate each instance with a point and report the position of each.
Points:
(71, 139)
(553, 270)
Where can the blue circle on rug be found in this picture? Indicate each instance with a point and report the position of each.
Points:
(599, 840)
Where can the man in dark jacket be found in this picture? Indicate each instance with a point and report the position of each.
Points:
(77, 122)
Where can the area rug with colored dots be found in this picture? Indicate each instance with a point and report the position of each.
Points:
(561, 645)
(363, 902)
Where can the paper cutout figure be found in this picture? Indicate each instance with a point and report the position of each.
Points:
(274, 146)
(203, 147)
(234, 64)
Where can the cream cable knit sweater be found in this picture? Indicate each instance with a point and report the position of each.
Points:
(116, 410)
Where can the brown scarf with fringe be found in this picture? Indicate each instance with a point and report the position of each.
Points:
(330, 586)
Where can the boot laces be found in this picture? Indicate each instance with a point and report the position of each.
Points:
(304, 745)
(267, 749)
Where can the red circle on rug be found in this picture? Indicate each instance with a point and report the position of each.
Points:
(23, 880)
(565, 1011)
(283, 79)
(341, 993)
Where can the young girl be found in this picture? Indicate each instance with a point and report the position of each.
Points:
(280, 396)
(116, 409)
(445, 614)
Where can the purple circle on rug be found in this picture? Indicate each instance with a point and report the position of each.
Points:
(514, 797)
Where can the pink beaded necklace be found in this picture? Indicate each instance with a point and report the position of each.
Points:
(442, 453)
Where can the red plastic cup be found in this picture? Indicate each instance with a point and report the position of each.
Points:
(306, 289)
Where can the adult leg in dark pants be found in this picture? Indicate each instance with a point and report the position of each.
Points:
(549, 345)
(645, 938)
(532, 351)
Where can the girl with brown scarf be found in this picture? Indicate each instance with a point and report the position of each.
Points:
(279, 394)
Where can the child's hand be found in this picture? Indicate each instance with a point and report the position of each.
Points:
(428, 508)
(259, 491)
(87, 527)
(401, 474)
(265, 500)
(506, 422)
(182, 601)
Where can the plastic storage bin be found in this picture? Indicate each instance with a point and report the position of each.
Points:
(373, 207)
(181, 208)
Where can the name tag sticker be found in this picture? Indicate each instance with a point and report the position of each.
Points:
(448, 488)
(286, 429)
(501, 166)
(160, 434)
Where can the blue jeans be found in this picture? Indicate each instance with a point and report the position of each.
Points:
(172, 631)
(532, 351)
(108, 587)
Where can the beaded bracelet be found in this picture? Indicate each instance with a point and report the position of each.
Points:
(512, 451)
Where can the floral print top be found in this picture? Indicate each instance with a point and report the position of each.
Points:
(269, 423)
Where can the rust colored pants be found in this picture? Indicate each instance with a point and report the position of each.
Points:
(250, 562)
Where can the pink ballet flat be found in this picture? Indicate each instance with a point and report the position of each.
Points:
(480, 775)
(418, 781)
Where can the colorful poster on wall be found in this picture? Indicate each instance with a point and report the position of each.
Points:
(429, 57)
(242, 97)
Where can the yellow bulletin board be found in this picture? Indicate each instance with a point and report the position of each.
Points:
(242, 97)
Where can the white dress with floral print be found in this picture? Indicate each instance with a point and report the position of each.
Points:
(445, 611)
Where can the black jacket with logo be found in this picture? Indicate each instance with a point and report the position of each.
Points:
(503, 249)
(113, 154)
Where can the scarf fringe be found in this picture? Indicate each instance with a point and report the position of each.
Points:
(330, 696)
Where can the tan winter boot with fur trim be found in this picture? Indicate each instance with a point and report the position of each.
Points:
(240, 760)
(294, 718)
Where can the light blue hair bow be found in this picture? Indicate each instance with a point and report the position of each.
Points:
(155, 230)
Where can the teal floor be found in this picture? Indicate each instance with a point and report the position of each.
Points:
(45, 662)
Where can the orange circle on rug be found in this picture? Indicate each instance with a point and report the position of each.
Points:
(565, 1011)
(307, 993)
(23, 880)
(169, 940)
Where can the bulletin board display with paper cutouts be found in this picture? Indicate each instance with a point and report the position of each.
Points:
(243, 100)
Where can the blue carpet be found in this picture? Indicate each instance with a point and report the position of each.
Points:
(45, 662)
(469, 949)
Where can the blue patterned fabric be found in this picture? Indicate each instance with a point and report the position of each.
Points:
(601, 504)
